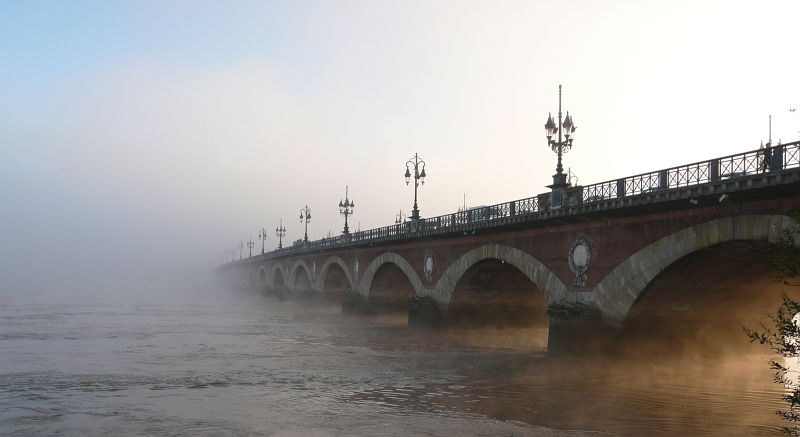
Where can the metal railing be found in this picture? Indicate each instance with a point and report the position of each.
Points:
(777, 158)
(773, 159)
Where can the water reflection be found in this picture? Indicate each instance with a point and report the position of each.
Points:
(680, 365)
(236, 364)
(629, 396)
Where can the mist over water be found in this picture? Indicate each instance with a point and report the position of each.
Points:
(223, 364)
(143, 143)
(205, 362)
(187, 358)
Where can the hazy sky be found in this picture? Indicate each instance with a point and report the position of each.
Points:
(141, 139)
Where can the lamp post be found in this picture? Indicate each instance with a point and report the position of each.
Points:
(346, 209)
(566, 133)
(241, 248)
(262, 235)
(250, 245)
(280, 231)
(305, 217)
(399, 218)
(419, 178)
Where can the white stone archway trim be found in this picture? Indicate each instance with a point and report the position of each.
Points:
(320, 283)
(252, 278)
(282, 270)
(399, 261)
(292, 283)
(262, 273)
(554, 290)
(617, 292)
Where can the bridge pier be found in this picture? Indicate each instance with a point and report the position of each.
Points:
(354, 302)
(576, 329)
(305, 293)
(424, 312)
(279, 292)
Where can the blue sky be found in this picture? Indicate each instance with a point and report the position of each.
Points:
(162, 132)
(50, 43)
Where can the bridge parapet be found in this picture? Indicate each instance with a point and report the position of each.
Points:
(759, 168)
(772, 159)
(621, 242)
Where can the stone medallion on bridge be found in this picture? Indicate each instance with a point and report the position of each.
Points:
(580, 258)
(428, 266)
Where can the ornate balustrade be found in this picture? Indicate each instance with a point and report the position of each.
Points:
(773, 159)
(777, 158)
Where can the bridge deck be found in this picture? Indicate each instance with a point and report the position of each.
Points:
(746, 174)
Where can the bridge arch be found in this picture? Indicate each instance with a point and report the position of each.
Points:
(554, 290)
(244, 277)
(293, 275)
(323, 272)
(400, 262)
(263, 278)
(617, 292)
(278, 277)
(252, 279)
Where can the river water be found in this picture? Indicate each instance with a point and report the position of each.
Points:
(236, 364)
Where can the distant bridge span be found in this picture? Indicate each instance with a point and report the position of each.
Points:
(590, 256)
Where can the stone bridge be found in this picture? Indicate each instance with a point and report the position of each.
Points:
(590, 257)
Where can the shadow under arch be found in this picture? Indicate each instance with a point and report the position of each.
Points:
(251, 278)
(698, 305)
(398, 261)
(495, 294)
(263, 278)
(545, 280)
(617, 292)
(293, 276)
(323, 272)
(278, 277)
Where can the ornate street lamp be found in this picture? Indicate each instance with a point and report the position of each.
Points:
(399, 218)
(280, 232)
(305, 217)
(419, 178)
(241, 248)
(566, 133)
(250, 245)
(262, 235)
(346, 209)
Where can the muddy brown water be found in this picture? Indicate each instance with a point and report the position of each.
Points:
(237, 364)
